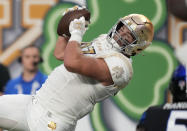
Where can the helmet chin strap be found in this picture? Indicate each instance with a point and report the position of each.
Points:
(118, 48)
(114, 44)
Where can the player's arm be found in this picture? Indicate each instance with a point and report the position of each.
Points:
(76, 62)
(62, 40)
(60, 47)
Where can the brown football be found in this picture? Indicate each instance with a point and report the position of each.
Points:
(63, 25)
(178, 8)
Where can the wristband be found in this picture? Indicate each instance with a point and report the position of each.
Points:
(75, 36)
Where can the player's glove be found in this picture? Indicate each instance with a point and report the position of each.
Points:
(77, 29)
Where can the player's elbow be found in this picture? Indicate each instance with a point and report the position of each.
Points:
(70, 65)
(59, 56)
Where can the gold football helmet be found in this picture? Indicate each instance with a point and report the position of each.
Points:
(141, 29)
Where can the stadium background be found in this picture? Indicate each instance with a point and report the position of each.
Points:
(25, 22)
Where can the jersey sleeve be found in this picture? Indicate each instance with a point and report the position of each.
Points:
(120, 68)
(141, 124)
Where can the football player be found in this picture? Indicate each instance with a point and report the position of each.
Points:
(91, 72)
(170, 116)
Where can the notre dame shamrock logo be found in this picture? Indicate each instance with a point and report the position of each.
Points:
(52, 125)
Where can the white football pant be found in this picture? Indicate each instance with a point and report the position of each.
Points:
(13, 112)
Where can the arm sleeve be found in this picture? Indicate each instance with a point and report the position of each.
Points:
(120, 68)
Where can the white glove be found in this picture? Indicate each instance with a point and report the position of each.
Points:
(77, 29)
(73, 8)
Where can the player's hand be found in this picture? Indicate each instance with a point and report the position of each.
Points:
(78, 26)
(76, 7)
(77, 29)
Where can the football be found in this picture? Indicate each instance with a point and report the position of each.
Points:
(178, 8)
(63, 26)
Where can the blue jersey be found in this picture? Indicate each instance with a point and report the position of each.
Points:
(19, 86)
(169, 117)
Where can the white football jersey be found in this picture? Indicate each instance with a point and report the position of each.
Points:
(71, 95)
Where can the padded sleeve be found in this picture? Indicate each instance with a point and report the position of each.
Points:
(120, 68)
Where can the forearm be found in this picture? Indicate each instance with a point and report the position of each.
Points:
(72, 54)
(75, 61)
(60, 47)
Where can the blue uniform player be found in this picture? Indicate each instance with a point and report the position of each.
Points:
(170, 116)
